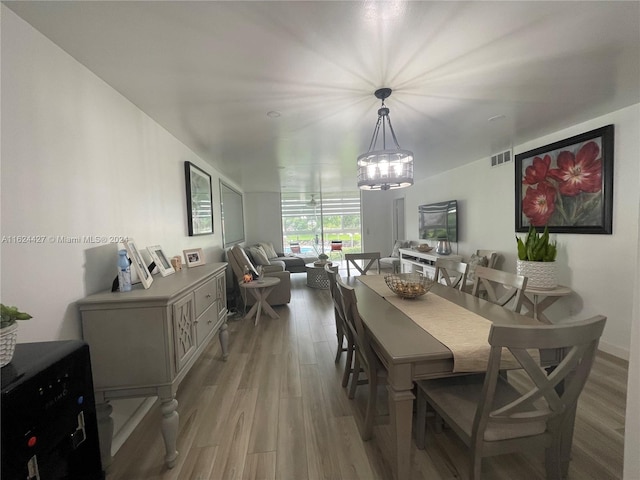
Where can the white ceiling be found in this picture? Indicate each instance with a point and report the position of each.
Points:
(210, 71)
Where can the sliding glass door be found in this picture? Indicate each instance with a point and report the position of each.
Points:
(311, 221)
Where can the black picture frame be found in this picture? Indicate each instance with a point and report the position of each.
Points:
(199, 200)
(232, 212)
(567, 185)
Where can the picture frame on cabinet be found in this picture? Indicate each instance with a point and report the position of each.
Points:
(199, 200)
(138, 263)
(194, 257)
(161, 260)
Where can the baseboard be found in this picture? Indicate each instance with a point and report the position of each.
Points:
(127, 429)
(614, 350)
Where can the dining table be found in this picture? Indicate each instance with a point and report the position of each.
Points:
(410, 352)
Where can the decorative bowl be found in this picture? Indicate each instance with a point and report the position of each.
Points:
(424, 248)
(408, 285)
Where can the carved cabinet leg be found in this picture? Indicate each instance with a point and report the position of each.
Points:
(223, 335)
(105, 432)
(169, 427)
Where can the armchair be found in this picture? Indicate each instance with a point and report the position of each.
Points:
(282, 292)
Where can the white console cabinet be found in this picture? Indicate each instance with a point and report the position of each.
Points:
(143, 342)
(425, 263)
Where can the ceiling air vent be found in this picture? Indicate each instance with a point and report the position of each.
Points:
(501, 158)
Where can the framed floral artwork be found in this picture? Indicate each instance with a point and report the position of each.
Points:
(567, 185)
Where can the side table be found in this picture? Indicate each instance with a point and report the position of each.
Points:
(541, 300)
(260, 289)
(317, 276)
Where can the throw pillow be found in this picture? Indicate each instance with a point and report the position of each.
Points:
(259, 256)
(243, 259)
(473, 262)
(397, 246)
(268, 249)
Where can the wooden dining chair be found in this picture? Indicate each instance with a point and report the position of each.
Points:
(492, 417)
(368, 259)
(488, 282)
(365, 360)
(451, 273)
(342, 331)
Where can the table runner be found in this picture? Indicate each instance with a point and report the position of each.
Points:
(460, 330)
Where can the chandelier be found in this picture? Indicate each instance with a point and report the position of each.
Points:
(384, 169)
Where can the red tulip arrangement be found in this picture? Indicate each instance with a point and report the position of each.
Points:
(567, 193)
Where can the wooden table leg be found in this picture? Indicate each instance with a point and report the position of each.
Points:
(261, 294)
(169, 428)
(401, 411)
(223, 337)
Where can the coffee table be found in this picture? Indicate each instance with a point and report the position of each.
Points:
(317, 277)
(260, 289)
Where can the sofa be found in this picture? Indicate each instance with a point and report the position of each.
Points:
(393, 260)
(265, 254)
(281, 294)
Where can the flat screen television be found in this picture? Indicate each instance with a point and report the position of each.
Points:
(439, 221)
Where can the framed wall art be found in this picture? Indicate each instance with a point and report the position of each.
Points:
(138, 263)
(199, 200)
(193, 257)
(161, 260)
(567, 185)
(232, 215)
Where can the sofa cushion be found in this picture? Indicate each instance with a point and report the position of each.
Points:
(397, 246)
(259, 256)
(243, 259)
(268, 249)
(274, 266)
(474, 261)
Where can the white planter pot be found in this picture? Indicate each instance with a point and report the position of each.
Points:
(541, 275)
(8, 338)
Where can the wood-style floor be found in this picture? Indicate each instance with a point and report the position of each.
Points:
(276, 410)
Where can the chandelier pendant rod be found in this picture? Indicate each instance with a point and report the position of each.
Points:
(393, 134)
(374, 137)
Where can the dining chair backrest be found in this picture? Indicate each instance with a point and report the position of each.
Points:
(333, 275)
(369, 259)
(510, 285)
(365, 359)
(549, 398)
(491, 256)
(451, 273)
(539, 412)
(353, 319)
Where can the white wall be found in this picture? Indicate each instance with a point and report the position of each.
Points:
(78, 159)
(599, 268)
(263, 218)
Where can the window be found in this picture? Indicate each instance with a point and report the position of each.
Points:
(311, 221)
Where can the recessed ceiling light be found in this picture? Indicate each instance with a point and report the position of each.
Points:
(273, 114)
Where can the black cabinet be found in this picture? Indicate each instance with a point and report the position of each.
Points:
(49, 429)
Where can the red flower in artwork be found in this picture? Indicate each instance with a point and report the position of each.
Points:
(579, 173)
(537, 172)
(538, 203)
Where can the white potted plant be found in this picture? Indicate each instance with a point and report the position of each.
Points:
(8, 331)
(537, 259)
